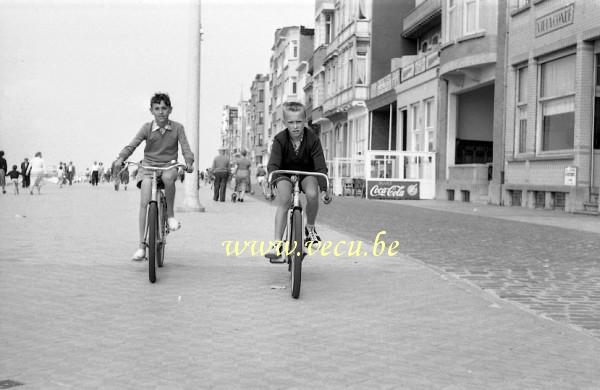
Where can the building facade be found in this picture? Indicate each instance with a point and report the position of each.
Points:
(552, 111)
(258, 124)
(292, 46)
(354, 43)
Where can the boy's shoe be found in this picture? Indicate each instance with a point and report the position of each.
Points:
(241, 200)
(173, 224)
(139, 255)
(311, 235)
(274, 254)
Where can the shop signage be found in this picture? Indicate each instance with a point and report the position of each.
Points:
(571, 176)
(555, 20)
(392, 190)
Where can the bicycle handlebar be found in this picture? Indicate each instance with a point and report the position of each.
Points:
(172, 165)
(326, 199)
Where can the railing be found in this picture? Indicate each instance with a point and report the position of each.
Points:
(399, 165)
(420, 65)
(346, 97)
(360, 28)
(386, 83)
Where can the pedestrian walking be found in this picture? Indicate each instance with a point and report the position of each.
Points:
(70, 172)
(14, 178)
(24, 170)
(220, 168)
(37, 169)
(95, 177)
(3, 170)
(60, 174)
(242, 175)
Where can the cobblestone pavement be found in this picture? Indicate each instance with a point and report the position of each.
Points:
(77, 314)
(550, 270)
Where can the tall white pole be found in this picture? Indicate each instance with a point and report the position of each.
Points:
(191, 201)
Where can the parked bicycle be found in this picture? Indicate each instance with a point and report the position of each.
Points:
(157, 228)
(293, 236)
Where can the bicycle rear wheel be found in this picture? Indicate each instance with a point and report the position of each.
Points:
(152, 240)
(297, 244)
(160, 246)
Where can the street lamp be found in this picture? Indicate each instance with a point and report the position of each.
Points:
(191, 201)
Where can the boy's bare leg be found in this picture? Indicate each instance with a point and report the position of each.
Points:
(145, 194)
(310, 186)
(169, 177)
(283, 199)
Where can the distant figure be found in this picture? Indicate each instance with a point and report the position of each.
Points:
(3, 169)
(100, 172)
(37, 169)
(220, 168)
(14, 178)
(60, 174)
(242, 175)
(70, 172)
(95, 178)
(24, 169)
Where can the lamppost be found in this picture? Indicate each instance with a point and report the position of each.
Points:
(191, 201)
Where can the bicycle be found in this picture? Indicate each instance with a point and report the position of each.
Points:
(157, 229)
(293, 234)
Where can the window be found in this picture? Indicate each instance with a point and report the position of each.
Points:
(557, 103)
(261, 117)
(362, 10)
(521, 110)
(350, 73)
(294, 52)
(452, 25)
(429, 128)
(294, 86)
(361, 70)
(261, 95)
(417, 133)
(520, 3)
(328, 23)
(471, 16)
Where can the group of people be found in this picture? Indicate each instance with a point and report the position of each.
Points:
(29, 169)
(295, 148)
(65, 173)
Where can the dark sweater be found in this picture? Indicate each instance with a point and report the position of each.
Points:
(308, 158)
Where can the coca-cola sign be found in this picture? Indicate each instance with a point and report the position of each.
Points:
(396, 190)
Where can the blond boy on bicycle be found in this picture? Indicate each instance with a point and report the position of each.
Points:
(162, 137)
(297, 148)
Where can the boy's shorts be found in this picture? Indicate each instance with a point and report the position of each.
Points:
(147, 174)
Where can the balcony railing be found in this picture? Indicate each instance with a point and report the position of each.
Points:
(359, 28)
(385, 84)
(342, 101)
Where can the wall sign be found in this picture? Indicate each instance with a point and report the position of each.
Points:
(394, 190)
(571, 176)
(554, 20)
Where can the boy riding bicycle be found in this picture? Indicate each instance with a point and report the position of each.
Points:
(296, 148)
(162, 137)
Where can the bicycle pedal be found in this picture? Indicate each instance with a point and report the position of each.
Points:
(280, 260)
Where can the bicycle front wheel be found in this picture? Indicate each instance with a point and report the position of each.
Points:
(160, 246)
(152, 240)
(297, 244)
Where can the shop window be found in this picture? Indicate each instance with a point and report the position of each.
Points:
(450, 194)
(557, 103)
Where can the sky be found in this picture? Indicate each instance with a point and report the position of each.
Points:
(76, 77)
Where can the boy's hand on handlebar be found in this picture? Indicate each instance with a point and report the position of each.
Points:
(326, 197)
(189, 168)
